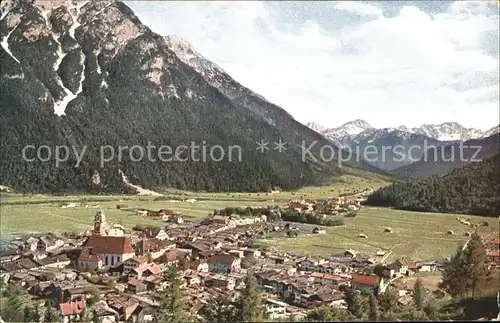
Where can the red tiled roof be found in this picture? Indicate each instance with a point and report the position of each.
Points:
(362, 279)
(109, 245)
(72, 308)
(494, 241)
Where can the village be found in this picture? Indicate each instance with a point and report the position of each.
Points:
(115, 271)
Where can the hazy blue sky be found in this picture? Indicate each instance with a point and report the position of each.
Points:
(389, 63)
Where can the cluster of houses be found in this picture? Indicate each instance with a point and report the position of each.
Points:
(335, 205)
(163, 214)
(493, 251)
(115, 272)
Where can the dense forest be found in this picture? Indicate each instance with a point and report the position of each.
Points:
(472, 189)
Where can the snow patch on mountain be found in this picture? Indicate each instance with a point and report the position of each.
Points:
(316, 127)
(5, 43)
(359, 129)
(491, 132)
(448, 131)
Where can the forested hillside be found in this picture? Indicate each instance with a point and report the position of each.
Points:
(91, 74)
(472, 189)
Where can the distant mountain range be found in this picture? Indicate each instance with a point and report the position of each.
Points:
(358, 135)
(447, 131)
(446, 158)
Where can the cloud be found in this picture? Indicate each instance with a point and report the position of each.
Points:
(359, 8)
(411, 67)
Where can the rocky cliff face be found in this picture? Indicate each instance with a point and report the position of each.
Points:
(91, 74)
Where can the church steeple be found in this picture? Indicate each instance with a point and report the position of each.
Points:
(99, 223)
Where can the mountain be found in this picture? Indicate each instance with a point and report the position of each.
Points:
(347, 129)
(448, 131)
(443, 160)
(295, 132)
(316, 127)
(89, 78)
(491, 132)
(472, 189)
(392, 148)
(396, 147)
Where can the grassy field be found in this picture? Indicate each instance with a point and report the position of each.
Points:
(415, 235)
(41, 213)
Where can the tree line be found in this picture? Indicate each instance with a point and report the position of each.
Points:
(473, 189)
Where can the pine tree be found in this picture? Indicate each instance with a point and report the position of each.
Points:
(13, 309)
(220, 310)
(328, 314)
(95, 317)
(388, 301)
(467, 269)
(50, 314)
(250, 301)
(419, 294)
(374, 314)
(476, 263)
(356, 304)
(173, 307)
(455, 275)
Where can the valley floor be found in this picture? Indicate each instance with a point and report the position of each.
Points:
(416, 235)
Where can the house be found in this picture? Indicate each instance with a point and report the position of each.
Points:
(222, 263)
(154, 232)
(400, 267)
(199, 266)
(173, 218)
(104, 313)
(367, 283)
(89, 261)
(221, 219)
(275, 310)
(155, 282)
(252, 253)
(146, 270)
(30, 244)
(173, 257)
(493, 256)
(426, 266)
(71, 311)
(192, 280)
(133, 263)
(116, 230)
(135, 286)
(220, 281)
(114, 250)
(153, 247)
(124, 306)
(143, 313)
(493, 250)
(309, 264)
(48, 243)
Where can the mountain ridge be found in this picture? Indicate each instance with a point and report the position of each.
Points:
(446, 131)
(91, 74)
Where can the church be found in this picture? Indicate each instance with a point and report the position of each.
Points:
(106, 246)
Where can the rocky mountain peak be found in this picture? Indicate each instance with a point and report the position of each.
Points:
(316, 127)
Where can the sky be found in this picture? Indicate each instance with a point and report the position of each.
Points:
(389, 63)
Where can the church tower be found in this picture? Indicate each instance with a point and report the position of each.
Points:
(100, 224)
